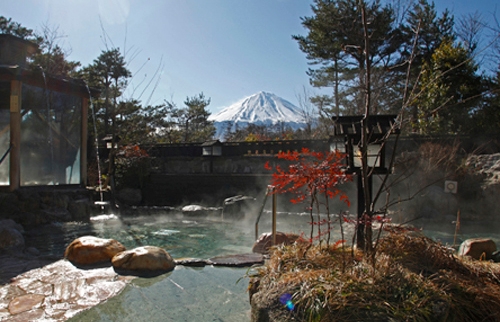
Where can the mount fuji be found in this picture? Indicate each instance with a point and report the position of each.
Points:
(262, 108)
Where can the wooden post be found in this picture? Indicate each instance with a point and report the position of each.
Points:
(360, 234)
(274, 219)
(84, 141)
(15, 134)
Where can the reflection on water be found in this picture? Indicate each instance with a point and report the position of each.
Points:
(186, 294)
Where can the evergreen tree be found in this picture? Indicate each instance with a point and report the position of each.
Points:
(450, 91)
(50, 56)
(486, 119)
(170, 124)
(427, 30)
(424, 31)
(336, 42)
(193, 119)
(9, 27)
(108, 73)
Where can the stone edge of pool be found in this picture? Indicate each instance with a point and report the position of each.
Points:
(60, 290)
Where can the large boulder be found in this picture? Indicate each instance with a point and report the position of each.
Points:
(9, 223)
(477, 248)
(144, 259)
(90, 250)
(11, 239)
(265, 241)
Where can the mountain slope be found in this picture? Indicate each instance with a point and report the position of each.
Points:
(260, 109)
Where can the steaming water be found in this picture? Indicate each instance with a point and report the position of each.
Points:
(181, 235)
(185, 294)
(190, 294)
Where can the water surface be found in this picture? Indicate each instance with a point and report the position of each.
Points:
(195, 294)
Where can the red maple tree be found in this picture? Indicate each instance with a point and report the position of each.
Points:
(309, 176)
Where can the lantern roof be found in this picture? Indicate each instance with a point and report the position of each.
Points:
(211, 143)
(378, 125)
(14, 50)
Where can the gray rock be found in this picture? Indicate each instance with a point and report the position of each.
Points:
(32, 251)
(238, 260)
(193, 262)
(11, 239)
(195, 210)
(79, 210)
(9, 223)
(495, 256)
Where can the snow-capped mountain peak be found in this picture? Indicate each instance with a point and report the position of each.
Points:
(262, 108)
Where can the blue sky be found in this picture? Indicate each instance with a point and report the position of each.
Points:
(227, 49)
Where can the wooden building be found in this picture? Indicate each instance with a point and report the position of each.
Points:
(43, 122)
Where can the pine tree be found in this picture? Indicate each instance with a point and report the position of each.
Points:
(450, 91)
(335, 43)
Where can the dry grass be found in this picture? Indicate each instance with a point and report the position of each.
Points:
(414, 279)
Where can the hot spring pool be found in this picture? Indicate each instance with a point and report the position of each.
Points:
(185, 294)
(181, 235)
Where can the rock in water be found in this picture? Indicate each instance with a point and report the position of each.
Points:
(89, 250)
(196, 210)
(477, 248)
(11, 239)
(265, 241)
(146, 258)
(239, 260)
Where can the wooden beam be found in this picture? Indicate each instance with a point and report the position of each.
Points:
(15, 133)
(84, 141)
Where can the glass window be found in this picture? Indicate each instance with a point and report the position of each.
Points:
(50, 137)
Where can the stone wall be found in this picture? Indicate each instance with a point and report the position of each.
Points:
(177, 179)
(35, 206)
(206, 189)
